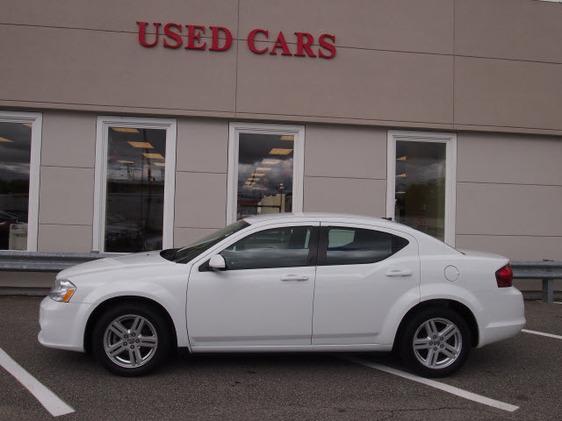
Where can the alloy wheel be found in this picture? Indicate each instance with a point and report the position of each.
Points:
(437, 343)
(130, 341)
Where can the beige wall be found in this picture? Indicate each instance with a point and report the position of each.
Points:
(345, 169)
(201, 162)
(481, 29)
(442, 64)
(509, 195)
(509, 187)
(66, 194)
(66, 199)
(466, 66)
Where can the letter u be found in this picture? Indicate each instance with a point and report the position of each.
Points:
(142, 34)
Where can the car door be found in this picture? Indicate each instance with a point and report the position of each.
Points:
(263, 297)
(362, 273)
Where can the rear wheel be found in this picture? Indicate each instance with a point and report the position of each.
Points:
(435, 342)
(131, 339)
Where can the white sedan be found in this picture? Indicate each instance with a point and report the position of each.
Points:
(306, 282)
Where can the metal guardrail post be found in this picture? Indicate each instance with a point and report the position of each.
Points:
(548, 290)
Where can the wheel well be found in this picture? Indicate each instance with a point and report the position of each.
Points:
(99, 310)
(463, 310)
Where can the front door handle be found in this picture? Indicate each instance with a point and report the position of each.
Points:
(398, 272)
(294, 278)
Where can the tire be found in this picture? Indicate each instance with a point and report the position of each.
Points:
(131, 339)
(443, 342)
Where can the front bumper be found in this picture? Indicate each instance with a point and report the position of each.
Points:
(62, 325)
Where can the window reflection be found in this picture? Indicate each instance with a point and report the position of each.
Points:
(278, 247)
(135, 189)
(420, 186)
(353, 246)
(265, 174)
(15, 155)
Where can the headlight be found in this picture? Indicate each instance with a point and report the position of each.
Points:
(63, 290)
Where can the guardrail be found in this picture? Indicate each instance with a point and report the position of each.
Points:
(23, 261)
(547, 270)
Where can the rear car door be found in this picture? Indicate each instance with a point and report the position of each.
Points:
(362, 273)
(263, 298)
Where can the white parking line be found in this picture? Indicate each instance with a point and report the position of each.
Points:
(48, 399)
(536, 332)
(438, 385)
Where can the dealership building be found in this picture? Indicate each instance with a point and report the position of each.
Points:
(140, 125)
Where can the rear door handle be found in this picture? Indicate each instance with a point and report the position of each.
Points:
(398, 273)
(294, 278)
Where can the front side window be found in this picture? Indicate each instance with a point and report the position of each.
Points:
(135, 174)
(19, 138)
(188, 253)
(353, 246)
(277, 247)
(421, 182)
(264, 170)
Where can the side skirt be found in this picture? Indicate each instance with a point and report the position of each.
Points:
(295, 348)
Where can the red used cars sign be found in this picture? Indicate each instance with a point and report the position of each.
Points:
(219, 38)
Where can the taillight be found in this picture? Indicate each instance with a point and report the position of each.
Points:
(504, 276)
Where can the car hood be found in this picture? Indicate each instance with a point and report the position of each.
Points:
(136, 260)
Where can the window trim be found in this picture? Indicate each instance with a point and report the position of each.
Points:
(234, 131)
(100, 196)
(36, 121)
(450, 140)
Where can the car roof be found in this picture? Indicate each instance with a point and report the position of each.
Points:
(322, 216)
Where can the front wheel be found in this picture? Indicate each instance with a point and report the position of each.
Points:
(435, 342)
(131, 339)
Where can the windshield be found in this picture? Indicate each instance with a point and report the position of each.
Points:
(185, 254)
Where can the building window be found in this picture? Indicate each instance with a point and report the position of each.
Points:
(20, 148)
(135, 177)
(421, 182)
(265, 170)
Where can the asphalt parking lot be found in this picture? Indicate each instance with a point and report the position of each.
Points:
(525, 371)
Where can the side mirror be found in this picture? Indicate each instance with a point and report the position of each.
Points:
(217, 262)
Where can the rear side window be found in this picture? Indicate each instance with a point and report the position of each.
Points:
(353, 246)
(273, 248)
